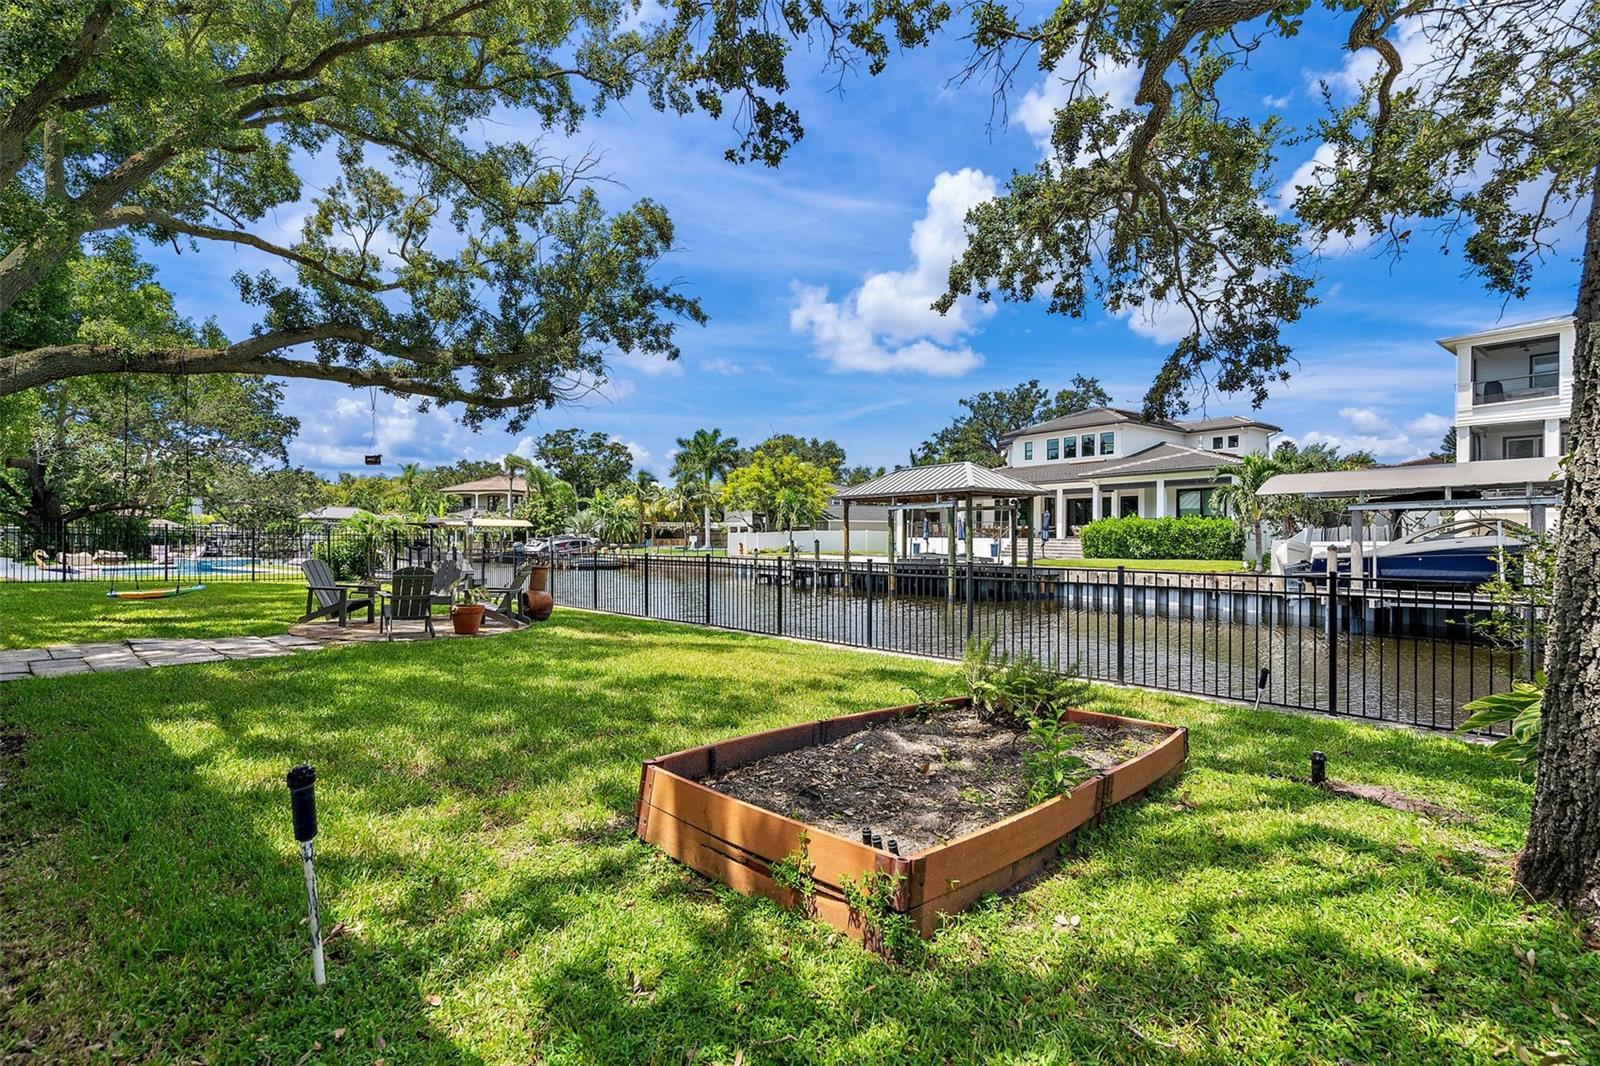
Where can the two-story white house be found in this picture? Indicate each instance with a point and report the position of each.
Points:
(1108, 461)
(1513, 390)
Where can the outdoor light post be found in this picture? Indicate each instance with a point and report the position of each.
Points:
(303, 807)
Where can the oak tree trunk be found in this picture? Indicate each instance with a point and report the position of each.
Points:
(1561, 861)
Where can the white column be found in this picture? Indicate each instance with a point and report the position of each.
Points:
(1552, 438)
(1094, 502)
(1161, 498)
(1058, 517)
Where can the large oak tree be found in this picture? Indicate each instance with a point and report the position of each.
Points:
(1475, 126)
(431, 264)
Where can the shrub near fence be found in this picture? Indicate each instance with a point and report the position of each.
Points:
(1190, 537)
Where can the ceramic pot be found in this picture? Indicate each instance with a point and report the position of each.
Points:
(466, 618)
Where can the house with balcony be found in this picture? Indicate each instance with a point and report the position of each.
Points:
(1513, 390)
(500, 494)
(1108, 461)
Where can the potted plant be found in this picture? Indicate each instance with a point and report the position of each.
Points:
(467, 616)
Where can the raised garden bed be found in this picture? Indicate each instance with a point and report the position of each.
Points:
(947, 786)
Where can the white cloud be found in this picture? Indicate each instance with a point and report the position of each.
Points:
(888, 324)
(1372, 431)
(1162, 322)
(722, 366)
(641, 454)
(649, 365)
(1277, 103)
(1391, 446)
(1365, 419)
(1429, 425)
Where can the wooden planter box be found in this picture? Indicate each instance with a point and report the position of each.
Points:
(738, 843)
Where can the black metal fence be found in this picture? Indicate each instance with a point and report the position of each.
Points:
(1366, 649)
(140, 552)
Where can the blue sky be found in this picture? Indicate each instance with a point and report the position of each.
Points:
(817, 277)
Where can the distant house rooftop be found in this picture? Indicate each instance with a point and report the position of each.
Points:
(1101, 416)
(495, 484)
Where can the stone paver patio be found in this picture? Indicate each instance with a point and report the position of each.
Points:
(140, 653)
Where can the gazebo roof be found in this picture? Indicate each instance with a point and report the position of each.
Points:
(494, 484)
(942, 481)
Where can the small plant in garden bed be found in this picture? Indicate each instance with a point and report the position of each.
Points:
(871, 897)
(796, 872)
(1024, 694)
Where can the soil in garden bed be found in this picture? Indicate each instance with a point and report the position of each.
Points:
(922, 779)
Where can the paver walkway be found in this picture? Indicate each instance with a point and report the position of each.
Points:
(141, 652)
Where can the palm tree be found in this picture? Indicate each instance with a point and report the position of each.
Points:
(793, 507)
(645, 495)
(706, 456)
(1241, 490)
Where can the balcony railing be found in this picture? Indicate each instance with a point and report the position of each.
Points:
(1527, 387)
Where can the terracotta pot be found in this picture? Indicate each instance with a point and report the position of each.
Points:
(466, 618)
(537, 603)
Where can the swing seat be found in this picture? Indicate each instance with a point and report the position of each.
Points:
(152, 594)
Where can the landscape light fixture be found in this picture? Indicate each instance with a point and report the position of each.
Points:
(1319, 768)
(303, 808)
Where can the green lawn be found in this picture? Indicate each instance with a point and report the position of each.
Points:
(80, 612)
(477, 854)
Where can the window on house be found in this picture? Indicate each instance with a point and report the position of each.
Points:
(1027, 449)
(1564, 446)
(1197, 502)
(1544, 370)
(1108, 443)
(1522, 448)
(1233, 440)
(1069, 447)
(1052, 449)
(1105, 505)
(1088, 444)
(1216, 444)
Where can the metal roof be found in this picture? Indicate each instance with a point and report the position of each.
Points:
(1558, 322)
(1228, 422)
(1107, 416)
(494, 483)
(940, 480)
(1163, 458)
(1393, 480)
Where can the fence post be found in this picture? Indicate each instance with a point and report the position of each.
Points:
(1333, 638)
(780, 596)
(708, 588)
(255, 550)
(594, 574)
(647, 583)
(971, 591)
(869, 598)
(1122, 657)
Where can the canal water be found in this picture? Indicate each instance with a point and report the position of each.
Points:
(1185, 645)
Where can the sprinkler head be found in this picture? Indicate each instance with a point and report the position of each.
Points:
(303, 801)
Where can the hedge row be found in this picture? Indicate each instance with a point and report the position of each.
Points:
(1163, 538)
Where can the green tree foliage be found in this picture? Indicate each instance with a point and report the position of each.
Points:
(704, 457)
(1447, 446)
(262, 499)
(828, 454)
(978, 435)
(62, 448)
(789, 491)
(586, 461)
(1240, 487)
(431, 263)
